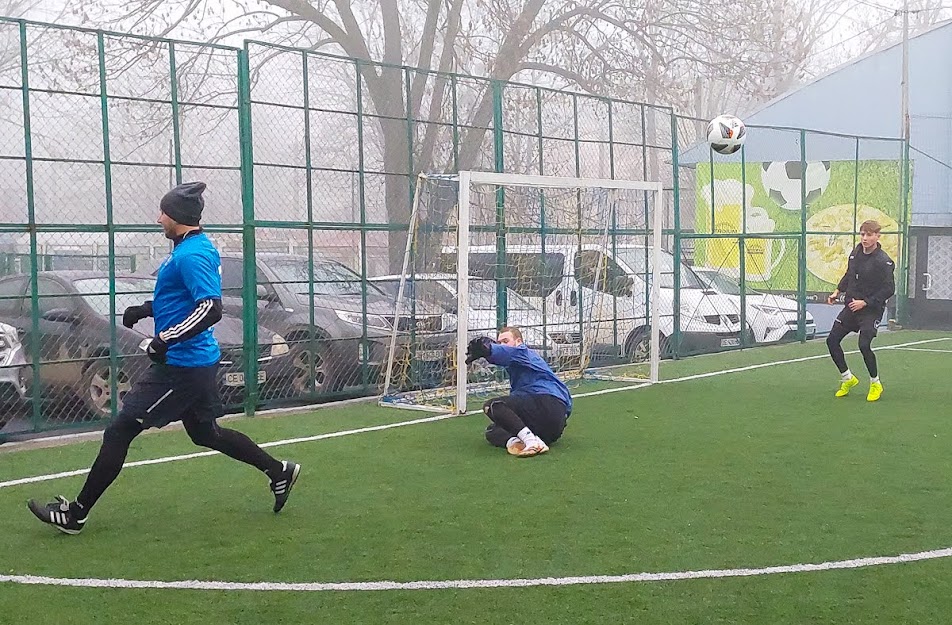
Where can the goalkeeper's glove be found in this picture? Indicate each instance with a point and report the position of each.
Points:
(480, 347)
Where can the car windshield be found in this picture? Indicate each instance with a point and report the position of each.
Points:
(723, 283)
(482, 293)
(129, 292)
(330, 278)
(482, 296)
(636, 259)
(419, 290)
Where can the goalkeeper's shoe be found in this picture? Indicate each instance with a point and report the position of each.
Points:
(846, 385)
(535, 449)
(282, 483)
(515, 446)
(58, 514)
(875, 391)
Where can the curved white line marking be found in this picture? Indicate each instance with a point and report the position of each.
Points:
(473, 583)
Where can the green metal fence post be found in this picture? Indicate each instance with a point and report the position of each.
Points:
(579, 219)
(454, 87)
(176, 130)
(542, 206)
(675, 343)
(855, 191)
(361, 190)
(37, 412)
(310, 348)
(742, 247)
(249, 273)
(614, 218)
(902, 300)
(802, 256)
(110, 227)
(498, 152)
(675, 153)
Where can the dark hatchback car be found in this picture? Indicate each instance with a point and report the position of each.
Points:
(335, 360)
(74, 337)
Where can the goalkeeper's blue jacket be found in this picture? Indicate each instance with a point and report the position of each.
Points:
(529, 374)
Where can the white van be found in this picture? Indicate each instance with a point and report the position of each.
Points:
(567, 283)
(556, 342)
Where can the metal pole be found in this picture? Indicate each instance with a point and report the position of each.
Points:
(248, 227)
(905, 71)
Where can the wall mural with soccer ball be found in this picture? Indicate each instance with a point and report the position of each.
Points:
(840, 195)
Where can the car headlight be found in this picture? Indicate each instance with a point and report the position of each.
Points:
(373, 321)
(767, 310)
(279, 346)
(8, 336)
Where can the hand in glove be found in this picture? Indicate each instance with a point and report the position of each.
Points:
(134, 314)
(480, 347)
(157, 350)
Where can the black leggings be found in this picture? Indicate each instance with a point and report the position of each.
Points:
(867, 331)
(121, 432)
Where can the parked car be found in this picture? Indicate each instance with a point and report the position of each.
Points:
(74, 337)
(326, 353)
(771, 318)
(13, 372)
(555, 341)
(611, 288)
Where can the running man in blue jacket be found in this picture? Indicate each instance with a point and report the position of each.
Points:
(535, 412)
(182, 383)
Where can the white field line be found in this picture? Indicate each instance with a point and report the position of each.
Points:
(475, 583)
(923, 349)
(306, 439)
(772, 363)
(203, 454)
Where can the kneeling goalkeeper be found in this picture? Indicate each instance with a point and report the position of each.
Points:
(535, 412)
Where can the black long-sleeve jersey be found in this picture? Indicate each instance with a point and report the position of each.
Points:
(869, 277)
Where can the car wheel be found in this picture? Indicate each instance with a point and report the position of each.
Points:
(97, 388)
(323, 372)
(638, 346)
(11, 399)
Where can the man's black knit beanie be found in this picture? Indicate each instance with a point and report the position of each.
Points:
(184, 203)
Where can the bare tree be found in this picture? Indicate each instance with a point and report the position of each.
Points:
(647, 49)
(873, 25)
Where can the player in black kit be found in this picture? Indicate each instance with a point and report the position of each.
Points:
(867, 284)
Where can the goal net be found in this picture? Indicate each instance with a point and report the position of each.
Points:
(575, 264)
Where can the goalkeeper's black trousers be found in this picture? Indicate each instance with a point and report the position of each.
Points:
(545, 415)
(165, 394)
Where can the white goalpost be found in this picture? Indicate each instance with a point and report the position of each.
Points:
(575, 263)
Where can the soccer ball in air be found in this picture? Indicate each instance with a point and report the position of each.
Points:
(782, 182)
(726, 134)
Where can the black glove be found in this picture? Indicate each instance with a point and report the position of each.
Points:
(480, 347)
(157, 350)
(134, 314)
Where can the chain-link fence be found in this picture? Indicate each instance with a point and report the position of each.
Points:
(773, 225)
(311, 160)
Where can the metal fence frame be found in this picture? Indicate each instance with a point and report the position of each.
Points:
(630, 132)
